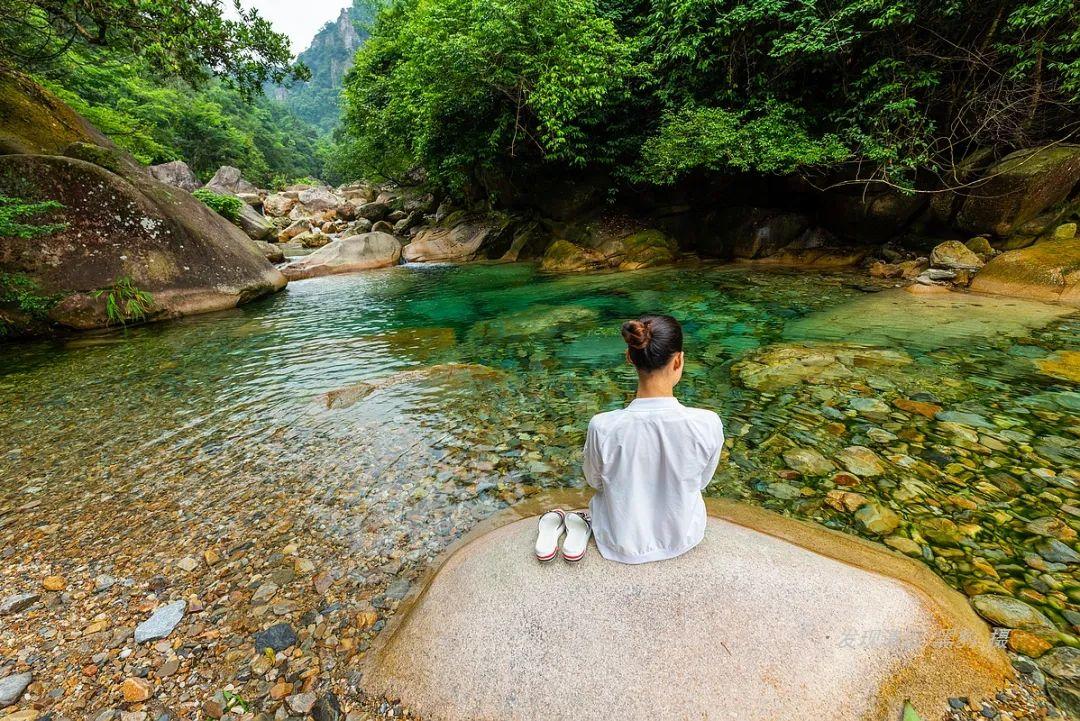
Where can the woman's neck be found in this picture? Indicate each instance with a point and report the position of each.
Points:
(654, 386)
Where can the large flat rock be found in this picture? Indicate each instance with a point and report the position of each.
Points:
(749, 625)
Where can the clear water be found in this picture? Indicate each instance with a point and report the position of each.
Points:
(216, 427)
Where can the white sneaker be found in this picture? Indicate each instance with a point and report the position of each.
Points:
(578, 531)
(550, 529)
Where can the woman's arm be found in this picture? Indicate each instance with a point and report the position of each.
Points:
(591, 458)
(714, 453)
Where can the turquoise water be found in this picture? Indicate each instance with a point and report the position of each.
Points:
(222, 418)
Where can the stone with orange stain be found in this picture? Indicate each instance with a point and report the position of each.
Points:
(922, 408)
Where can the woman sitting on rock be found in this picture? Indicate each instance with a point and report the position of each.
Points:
(648, 462)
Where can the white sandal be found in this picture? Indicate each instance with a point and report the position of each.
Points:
(578, 531)
(549, 529)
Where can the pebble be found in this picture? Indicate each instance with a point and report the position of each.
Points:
(278, 637)
(161, 623)
(12, 687)
(136, 690)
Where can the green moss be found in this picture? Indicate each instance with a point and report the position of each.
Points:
(104, 157)
(22, 294)
(649, 247)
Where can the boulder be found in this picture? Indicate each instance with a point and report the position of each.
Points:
(270, 251)
(347, 255)
(1019, 188)
(648, 248)
(278, 205)
(765, 619)
(746, 232)
(175, 173)
(297, 227)
(318, 199)
(1049, 271)
(855, 213)
(954, 255)
(463, 242)
(190, 259)
(565, 257)
(229, 181)
(255, 224)
(372, 211)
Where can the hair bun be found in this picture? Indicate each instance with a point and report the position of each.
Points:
(637, 334)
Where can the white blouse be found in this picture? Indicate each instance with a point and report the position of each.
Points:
(649, 463)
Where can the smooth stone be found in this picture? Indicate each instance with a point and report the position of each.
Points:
(861, 461)
(868, 405)
(1055, 551)
(877, 519)
(278, 637)
(1010, 612)
(964, 419)
(750, 625)
(808, 462)
(161, 623)
(12, 687)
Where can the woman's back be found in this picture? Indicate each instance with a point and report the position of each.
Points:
(649, 463)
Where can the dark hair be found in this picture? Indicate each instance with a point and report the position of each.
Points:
(652, 339)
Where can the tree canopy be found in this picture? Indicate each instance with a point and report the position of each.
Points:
(661, 90)
(188, 39)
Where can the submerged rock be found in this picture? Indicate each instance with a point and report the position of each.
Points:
(347, 255)
(1010, 612)
(350, 395)
(785, 365)
(496, 635)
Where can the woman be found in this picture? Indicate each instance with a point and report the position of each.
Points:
(650, 461)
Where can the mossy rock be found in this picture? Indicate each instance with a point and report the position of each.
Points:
(1048, 270)
(190, 259)
(648, 248)
(566, 257)
(33, 120)
(1019, 188)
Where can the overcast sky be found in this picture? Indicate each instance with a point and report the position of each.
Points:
(299, 19)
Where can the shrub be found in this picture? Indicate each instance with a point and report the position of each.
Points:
(227, 206)
(124, 302)
(14, 209)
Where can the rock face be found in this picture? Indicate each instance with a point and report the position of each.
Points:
(190, 259)
(229, 181)
(176, 173)
(348, 255)
(745, 626)
(1020, 187)
(463, 242)
(1048, 270)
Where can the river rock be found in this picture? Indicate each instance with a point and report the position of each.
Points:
(1051, 527)
(954, 255)
(748, 232)
(12, 687)
(861, 461)
(877, 519)
(255, 224)
(278, 205)
(161, 623)
(1010, 612)
(1055, 551)
(175, 173)
(314, 200)
(493, 634)
(463, 242)
(229, 181)
(1062, 662)
(1048, 270)
(808, 462)
(784, 365)
(371, 211)
(562, 256)
(18, 602)
(347, 255)
(1018, 188)
(278, 637)
(270, 251)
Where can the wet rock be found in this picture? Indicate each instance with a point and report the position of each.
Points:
(278, 637)
(1063, 364)
(808, 462)
(271, 251)
(1055, 551)
(785, 491)
(1010, 612)
(1049, 271)
(18, 602)
(564, 257)
(1027, 644)
(161, 623)
(928, 410)
(12, 687)
(463, 242)
(861, 461)
(877, 519)
(347, 255)
(965, 419)
(954, 255)
(941, 531)
(1062, 662)
(1052, 528)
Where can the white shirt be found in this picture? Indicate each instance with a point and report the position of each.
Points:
(649, 463)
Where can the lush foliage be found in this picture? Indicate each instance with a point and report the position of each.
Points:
(125, 302)
(160, 120)
(662, 90)
(15, 211)
(329, 56)
(227, 206)
(189, 39)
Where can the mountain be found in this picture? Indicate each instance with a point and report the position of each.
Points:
(329, 57)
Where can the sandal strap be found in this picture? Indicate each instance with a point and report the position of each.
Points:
(561, 512)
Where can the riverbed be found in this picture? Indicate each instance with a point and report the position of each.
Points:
(202, 459)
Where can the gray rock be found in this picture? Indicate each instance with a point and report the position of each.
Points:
(965, 419)
(347, 255)
(255, 224)
(161, 623)
(327, 708)
(1062, 662)
(229, 181)
(12, 687)
(278, 637)
(301, 703)
(18, 602)
(177, 174)
(1010, 612)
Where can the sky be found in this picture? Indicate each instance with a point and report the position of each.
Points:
(299, 19)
